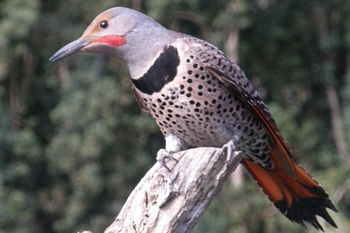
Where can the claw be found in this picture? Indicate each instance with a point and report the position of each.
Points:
(164, 155)
(228, 148)
(233, 158)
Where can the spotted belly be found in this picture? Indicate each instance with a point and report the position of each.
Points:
(209, 115)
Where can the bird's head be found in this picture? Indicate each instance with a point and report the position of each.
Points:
(121, 32)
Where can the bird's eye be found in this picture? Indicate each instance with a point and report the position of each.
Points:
(104, 24)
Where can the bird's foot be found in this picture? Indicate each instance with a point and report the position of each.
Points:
(163, 155)
(233, 158)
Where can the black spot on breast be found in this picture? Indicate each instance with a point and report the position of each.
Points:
(163, 71)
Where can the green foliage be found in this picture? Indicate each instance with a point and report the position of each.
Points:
(17, 20)
(74, 143)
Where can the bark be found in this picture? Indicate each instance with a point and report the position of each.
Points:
(336, 120)
(173, 200)
(321, 27)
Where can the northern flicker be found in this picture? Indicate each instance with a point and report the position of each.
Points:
(198, 97)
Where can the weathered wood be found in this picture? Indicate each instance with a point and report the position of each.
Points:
(173, 201)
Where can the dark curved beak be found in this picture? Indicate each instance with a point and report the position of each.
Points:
(69, 49)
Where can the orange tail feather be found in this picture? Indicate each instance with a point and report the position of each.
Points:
(299, 199)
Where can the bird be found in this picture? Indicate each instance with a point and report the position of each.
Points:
(199, 98)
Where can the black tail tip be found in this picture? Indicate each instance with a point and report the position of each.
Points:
(306, 210)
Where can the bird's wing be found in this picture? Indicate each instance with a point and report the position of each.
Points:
(257, 106)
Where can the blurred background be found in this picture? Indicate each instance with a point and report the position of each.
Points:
(74, 143)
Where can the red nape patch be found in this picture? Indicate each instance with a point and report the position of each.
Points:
(111, 40)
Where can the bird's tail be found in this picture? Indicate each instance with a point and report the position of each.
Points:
(300, 199)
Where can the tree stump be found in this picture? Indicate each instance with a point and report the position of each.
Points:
(173, 201)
